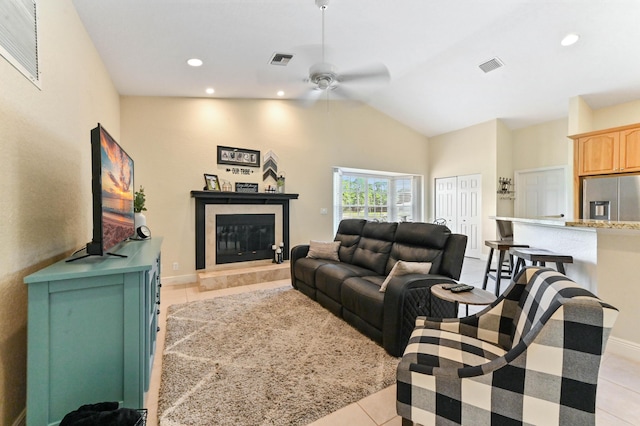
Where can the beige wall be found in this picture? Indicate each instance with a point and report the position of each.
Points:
(173, 142)
(45, 196)
(617, 115)
(504, 166)
(542, 145)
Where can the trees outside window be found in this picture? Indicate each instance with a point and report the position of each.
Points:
(377, 196)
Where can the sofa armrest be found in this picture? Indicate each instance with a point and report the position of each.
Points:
(297, 252)
(453, 256)
(406, 298)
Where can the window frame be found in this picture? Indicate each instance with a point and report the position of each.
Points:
(416, 182)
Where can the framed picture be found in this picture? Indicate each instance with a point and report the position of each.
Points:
(238, 156)
(246, 187)
(212, 182)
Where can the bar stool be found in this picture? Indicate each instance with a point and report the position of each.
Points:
(540, 257)
(503, 247)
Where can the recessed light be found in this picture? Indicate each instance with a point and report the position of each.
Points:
(210, 90)
(570, 39)
(280, 93)
(195, 62)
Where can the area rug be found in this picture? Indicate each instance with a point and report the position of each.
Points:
(269, 357)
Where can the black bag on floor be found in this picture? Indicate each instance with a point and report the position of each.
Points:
(102, 414)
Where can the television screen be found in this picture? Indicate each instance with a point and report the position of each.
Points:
(113, 193)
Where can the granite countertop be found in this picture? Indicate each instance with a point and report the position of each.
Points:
(576, 223)
(604, 224)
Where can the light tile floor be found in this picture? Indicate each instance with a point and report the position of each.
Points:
(618, 401)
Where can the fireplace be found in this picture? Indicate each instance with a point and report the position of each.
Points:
(244, 237)
(212, 203)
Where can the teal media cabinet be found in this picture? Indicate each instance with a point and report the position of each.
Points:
(91, 336)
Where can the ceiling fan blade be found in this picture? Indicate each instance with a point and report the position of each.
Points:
(375, 73)
(310, 98)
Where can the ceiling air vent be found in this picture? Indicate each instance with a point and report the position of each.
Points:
(491, 65)
(280, 59)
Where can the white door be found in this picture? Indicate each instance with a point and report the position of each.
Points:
(446, 189)
(541, 193)
(458, 200)
(469, 203)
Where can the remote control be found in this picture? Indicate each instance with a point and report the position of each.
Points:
(462, 288)
(451, 286)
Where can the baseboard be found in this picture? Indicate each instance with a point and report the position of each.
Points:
(623, 348)
(22, 419)
(180, 279)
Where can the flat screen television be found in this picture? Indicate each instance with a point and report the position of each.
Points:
(113, 193)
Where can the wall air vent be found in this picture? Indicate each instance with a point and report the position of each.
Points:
(491, 65)
(280, 59)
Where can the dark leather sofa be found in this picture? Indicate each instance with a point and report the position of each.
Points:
(350, 287)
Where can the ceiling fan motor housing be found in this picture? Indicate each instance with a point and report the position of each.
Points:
(322, 4)
(324, 75)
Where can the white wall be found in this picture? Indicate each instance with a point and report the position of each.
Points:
(45, 196)
(173, 143)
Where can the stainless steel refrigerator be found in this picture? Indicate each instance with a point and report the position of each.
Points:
(611, 198)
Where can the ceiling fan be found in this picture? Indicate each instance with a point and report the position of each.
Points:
(325, 77)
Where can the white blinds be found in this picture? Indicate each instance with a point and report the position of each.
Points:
(19, 36)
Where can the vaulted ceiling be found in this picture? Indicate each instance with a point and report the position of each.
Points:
(432, 50)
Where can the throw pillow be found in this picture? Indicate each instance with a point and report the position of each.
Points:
(324, 250)
(404, 268)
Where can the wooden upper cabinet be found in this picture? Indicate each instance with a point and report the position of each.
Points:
(630, 150)
(608, 151)
(598, 154)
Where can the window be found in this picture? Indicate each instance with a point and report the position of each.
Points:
(19, 36)
(376, 196)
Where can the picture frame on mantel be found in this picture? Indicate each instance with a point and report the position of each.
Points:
(238, 156)
(212, 182)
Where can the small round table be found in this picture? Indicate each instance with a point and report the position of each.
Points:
(477, 296)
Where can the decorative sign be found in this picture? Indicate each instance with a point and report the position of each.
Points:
(246, 187)
(239, 171)
(238, 156)
(270, 167)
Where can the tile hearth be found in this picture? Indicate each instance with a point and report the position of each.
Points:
(242, 274)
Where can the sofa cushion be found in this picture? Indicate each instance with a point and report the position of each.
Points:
(374, 246)
(361, 296)
(331, 276)
(419, 242)
(348, 234)
(305, 269)
(404, 268)
(324, 250)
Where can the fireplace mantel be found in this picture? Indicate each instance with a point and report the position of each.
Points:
(249, 198)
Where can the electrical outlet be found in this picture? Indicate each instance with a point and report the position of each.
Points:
(176, 266)
(323, 210)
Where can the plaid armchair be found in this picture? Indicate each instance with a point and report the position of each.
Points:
(532, 357)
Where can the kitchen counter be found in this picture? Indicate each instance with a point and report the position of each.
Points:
(606, 261)
(576, 223)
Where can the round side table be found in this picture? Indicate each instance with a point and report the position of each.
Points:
(477, 296)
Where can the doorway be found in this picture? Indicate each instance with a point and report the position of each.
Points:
(541, 193)
(458, 200)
